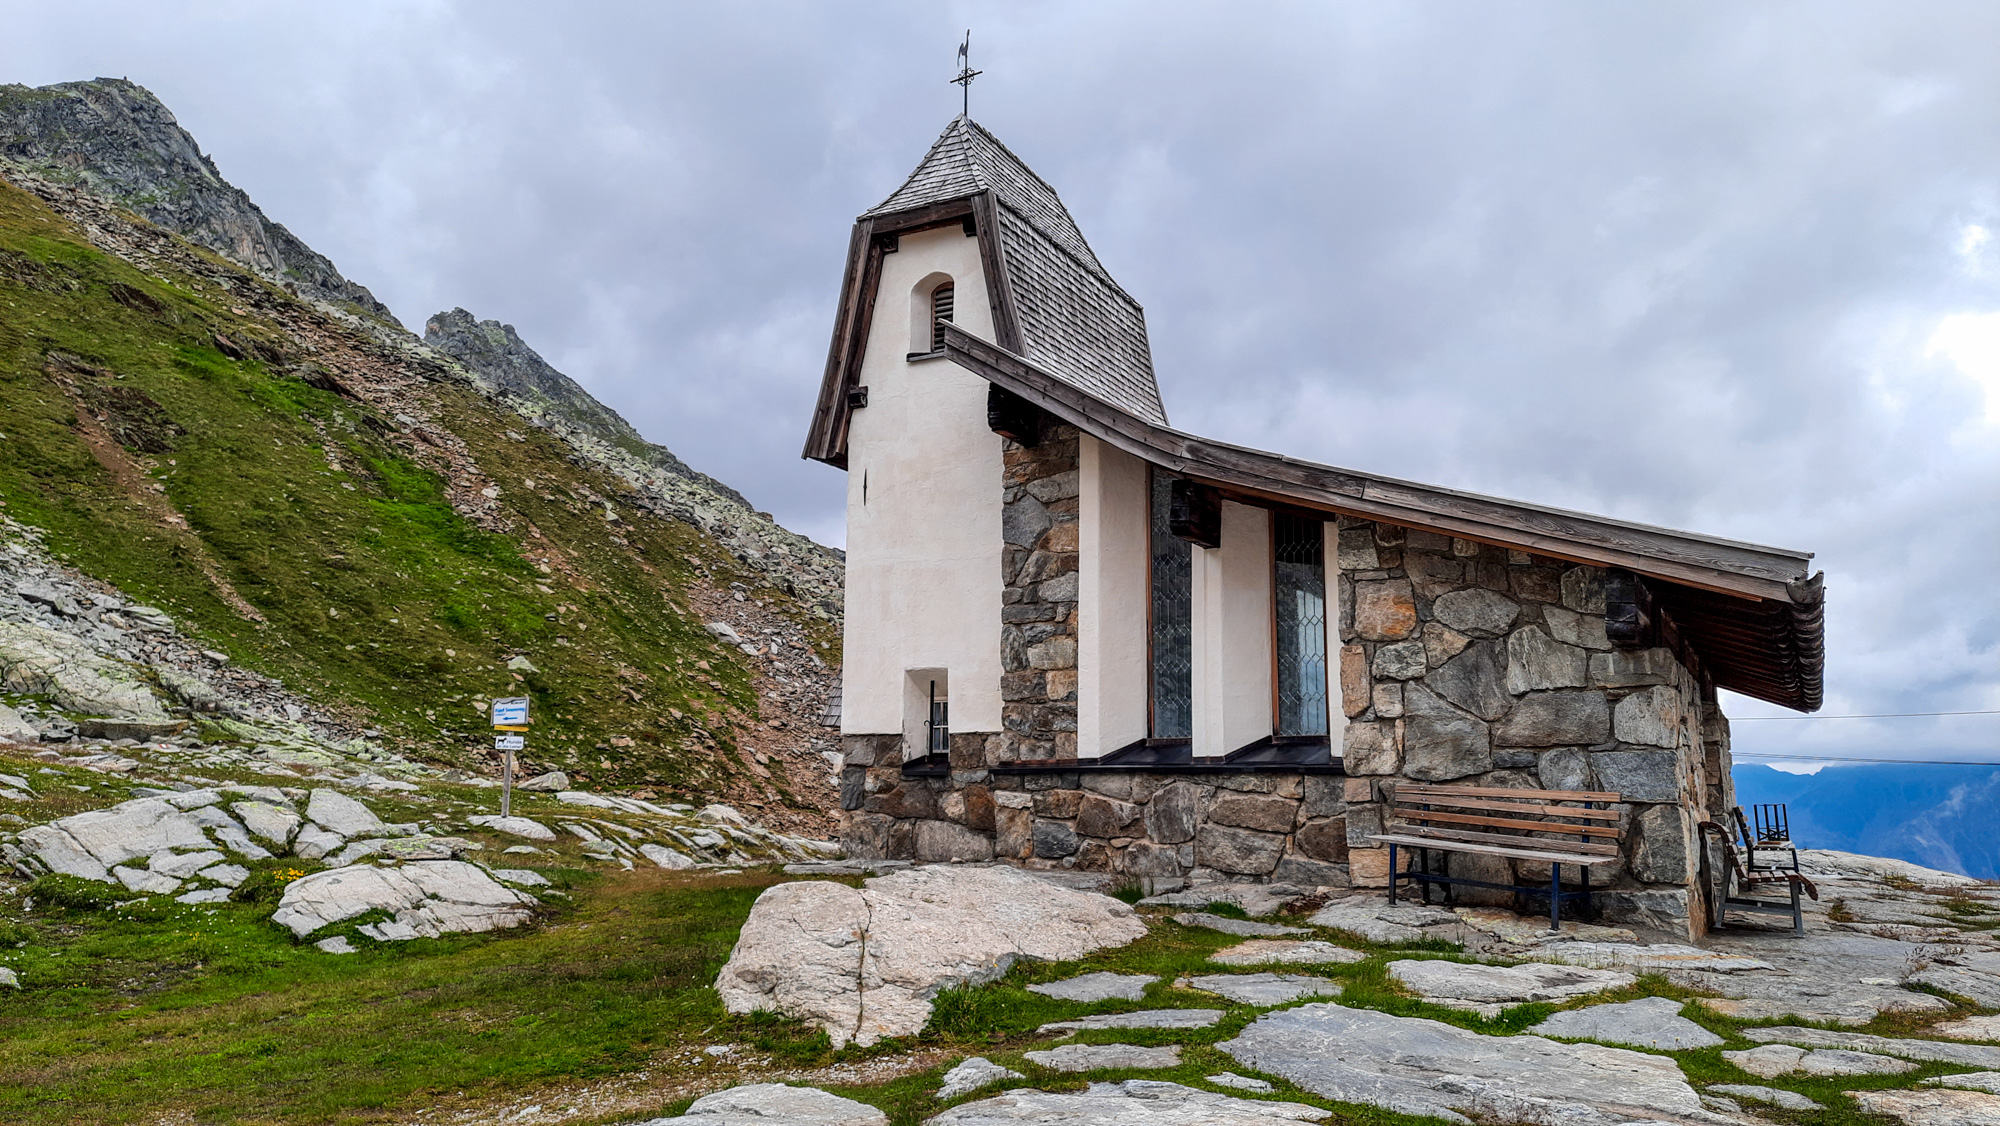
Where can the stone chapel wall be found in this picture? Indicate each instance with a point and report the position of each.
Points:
(1471, 664)
(1459, 662)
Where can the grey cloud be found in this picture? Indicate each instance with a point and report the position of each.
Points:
(1675, 264)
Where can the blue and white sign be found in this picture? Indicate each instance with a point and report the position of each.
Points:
(510, 742)
(511, 711)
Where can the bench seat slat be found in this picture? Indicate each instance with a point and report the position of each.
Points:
(1551, 857)
(1505, 823)
(1595, 848)
(1506, 792)
(1547, 808)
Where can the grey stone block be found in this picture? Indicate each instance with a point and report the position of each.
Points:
(1650, 716)
(1479, 678)
(1441, 743)
(1244, 851)
(1173, 813)
(942, 841)
(1535, 662)
(1054, 840)
(1402, 660)
(1554, 719)
(1639, 775)
(1477, 612)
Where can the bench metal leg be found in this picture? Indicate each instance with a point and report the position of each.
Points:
(1392, 875)
(1587, 913)
(1555, 897)
(1798, 912)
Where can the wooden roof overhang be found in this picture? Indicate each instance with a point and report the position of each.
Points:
(1747, 616)
(872, 239)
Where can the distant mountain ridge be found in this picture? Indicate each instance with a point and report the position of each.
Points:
(1939, 816)
(115, 138)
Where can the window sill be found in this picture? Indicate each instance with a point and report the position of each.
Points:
(923, 357)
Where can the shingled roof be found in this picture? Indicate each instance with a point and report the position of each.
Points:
(1054, 302)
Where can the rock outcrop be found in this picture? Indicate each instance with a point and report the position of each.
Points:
(117, 139)
(864, 964)
(427, 897)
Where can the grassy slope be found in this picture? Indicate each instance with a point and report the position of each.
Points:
(428, 606)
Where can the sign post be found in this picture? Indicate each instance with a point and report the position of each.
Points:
(510, 714)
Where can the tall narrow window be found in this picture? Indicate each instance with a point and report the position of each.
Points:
(1300, 587)
(940, 315)
(1172, 640)
(939, 724)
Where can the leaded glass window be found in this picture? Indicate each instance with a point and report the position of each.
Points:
(1300, 585)
(1172, 616)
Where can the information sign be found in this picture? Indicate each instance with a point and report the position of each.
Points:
(510, 742)
(510, 711)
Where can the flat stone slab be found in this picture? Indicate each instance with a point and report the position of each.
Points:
(1652, 1022)
(1100, 1057)
(1532, 930)
(864, 963)
(1836, 978)
(1375, 920)
(1932, 1106)
(1981, 988)
(427, 897)
(971, 1074)
(1254, 899)
(1150, 1018)
(1415, 1066)
(1262, 990)
(1788, 1100)
(1773, 1060)
(1489, 989)
(1964, 1055)
(1135, 1102)
(1227, 925)
(1097, 987)
(1240, 1082)
(1276, 951)
(513, 826)
(1968, 1081)
(1657, 958)
(774, 1104)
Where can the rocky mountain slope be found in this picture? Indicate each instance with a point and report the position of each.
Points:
(1937, 816)
(391, 535)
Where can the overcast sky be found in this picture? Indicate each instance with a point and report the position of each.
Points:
(1728, 268)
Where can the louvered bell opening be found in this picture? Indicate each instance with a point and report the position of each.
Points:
(941, 301)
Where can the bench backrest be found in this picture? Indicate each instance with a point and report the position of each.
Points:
(1586, 821)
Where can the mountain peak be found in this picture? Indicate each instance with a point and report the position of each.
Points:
(114, 138)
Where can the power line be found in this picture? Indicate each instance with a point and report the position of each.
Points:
(1879, 715)
(1844, 758)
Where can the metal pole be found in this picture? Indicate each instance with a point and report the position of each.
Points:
(507, 783)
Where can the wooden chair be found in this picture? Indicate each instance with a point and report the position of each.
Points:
(1556, 827)
(1743, 876)
(1772, 835)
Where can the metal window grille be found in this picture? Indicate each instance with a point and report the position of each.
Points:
(939, 724)
(1172, 613)
(1299, 563)
(941, 303)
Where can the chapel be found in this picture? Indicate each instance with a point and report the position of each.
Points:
(1079, 637)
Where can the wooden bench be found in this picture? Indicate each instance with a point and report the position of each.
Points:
(1582, 828)
(1743, 876)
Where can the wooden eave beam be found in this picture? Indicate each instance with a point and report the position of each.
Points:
(1741, 571)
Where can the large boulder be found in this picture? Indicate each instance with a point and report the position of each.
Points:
(864, 963)
(38, 661)
(427, 897)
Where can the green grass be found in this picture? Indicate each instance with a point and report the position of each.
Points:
(220, 1016)
(231, 490)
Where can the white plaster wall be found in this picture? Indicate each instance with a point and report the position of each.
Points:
(923, 506)
(1232, 633)
(1336, 716)
(1114, 527)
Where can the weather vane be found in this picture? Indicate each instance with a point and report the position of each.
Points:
(965, 72)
